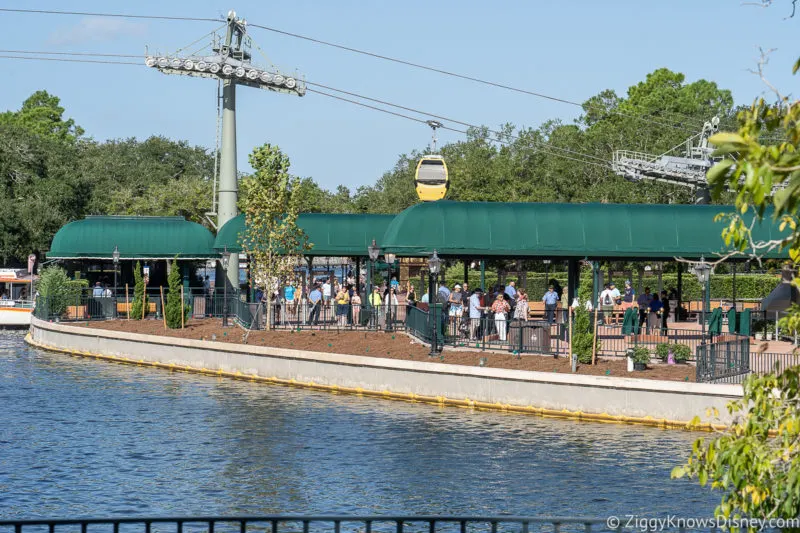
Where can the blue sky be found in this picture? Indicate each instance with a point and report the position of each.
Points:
(570, 50)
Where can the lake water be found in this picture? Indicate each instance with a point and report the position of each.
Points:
(80, 437)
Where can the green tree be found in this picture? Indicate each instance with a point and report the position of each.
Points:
(756, 461)
(140, 304)
(176, 312)
(57, 290)
(271, 204)
(42, 115)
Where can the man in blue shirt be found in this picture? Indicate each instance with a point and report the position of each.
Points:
(511, 290)
(315, 299)
(443, 293)
(475, 312)
(98, 290)
(550, 300)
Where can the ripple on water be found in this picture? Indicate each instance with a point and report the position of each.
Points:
(84, 437)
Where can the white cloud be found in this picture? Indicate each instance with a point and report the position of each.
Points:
(96, 29)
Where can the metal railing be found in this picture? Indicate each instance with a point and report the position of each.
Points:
(343, 524)
(766, 362)
(723, 362)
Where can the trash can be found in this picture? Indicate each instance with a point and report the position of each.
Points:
(529, 336)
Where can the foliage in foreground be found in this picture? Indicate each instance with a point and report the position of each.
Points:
(756, 462)
(271, 204)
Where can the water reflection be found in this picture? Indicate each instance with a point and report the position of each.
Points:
(88, 438)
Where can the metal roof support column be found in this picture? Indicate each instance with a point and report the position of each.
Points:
(680, 291)
(573, 280)
(483, 275)
(228, 186)
(466, 271)
(595, 282)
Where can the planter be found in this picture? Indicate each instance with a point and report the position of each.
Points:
(769, 336)
(759, 336)
(639, 366)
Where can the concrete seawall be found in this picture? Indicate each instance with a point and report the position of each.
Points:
(600, 398)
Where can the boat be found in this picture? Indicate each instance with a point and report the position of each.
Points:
(16, 298)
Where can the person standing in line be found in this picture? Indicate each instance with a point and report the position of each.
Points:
(521, 311)
(643, 301)
(550, 300)
(342, 306)
(628, 296)
(355, 304)
(375, 304)
(607, 304)
(616, 297)
(326, 291)
(456, 311)
(475, 312)
(288, 295)
(654, 318)
(501, 308)
(315, 299)
(511, 290)
(411, 295)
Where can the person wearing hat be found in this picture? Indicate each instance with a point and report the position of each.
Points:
(550, 300)
(456, 310)
(475, 313)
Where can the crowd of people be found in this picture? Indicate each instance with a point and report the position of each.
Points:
(654, 309)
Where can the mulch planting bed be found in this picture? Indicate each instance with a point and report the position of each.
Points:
(396, 345)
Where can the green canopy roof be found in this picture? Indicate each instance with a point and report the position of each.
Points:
(95, 237)
(478, 229)
(331, 234)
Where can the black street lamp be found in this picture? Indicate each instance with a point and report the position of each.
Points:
(703, 272)
(115, 258)
(434, 263)
(389, 262)
(225, 259)
(373, 252)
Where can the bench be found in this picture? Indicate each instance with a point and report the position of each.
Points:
(122, 308)
(536, 310)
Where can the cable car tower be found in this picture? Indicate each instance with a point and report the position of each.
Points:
(688, 170)
(230, 63)
(431, 177)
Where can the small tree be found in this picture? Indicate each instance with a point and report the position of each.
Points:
(139, 294)
(582, 333)
(756, 461)
(57, 291)
(271, 203)
(175, 305)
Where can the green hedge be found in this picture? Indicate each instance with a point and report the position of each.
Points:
(753, 286)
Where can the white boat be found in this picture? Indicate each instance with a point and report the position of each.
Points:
(16, 298)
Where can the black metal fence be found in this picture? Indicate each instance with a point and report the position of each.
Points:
(723, 362)
(361, 524)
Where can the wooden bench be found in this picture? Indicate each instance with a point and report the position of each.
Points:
(536, 310)
(122, 308)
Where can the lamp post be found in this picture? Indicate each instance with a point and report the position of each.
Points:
(703, 272)
(115, 259)
(389, 257)
(225, 259)
(434, 263)
(373, 252)
(546, 273)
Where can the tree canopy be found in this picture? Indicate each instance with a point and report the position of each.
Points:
(51, 173)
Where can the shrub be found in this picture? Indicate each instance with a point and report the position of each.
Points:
(681, 352)
(57, 291)
(662, 351)
(640, 355)
(174, 304)
(140, 301)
